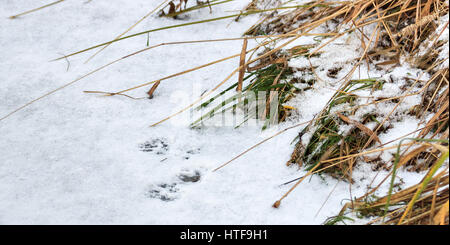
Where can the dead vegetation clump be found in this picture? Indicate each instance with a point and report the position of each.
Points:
(425, 203)
(335, 134)
(269, 74)
(407, 33)
(177, 7)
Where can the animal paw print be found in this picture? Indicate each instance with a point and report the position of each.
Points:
(158, 145)
(169, 192)
(164, 192)
(190, 176)
(191, 152)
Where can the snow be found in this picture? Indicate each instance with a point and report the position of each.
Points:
(76, 158)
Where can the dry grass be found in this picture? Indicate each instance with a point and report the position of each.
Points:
(36, 9)
(395, 40)
(402, 30)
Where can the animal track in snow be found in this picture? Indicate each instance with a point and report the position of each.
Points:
(165, 192)
(169, 192)
(190, 176)
(158, 145)
(191, 152)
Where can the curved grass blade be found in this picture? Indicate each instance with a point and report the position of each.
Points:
(397, 160)
(129, 29)
(171, 27)
(36, 9)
